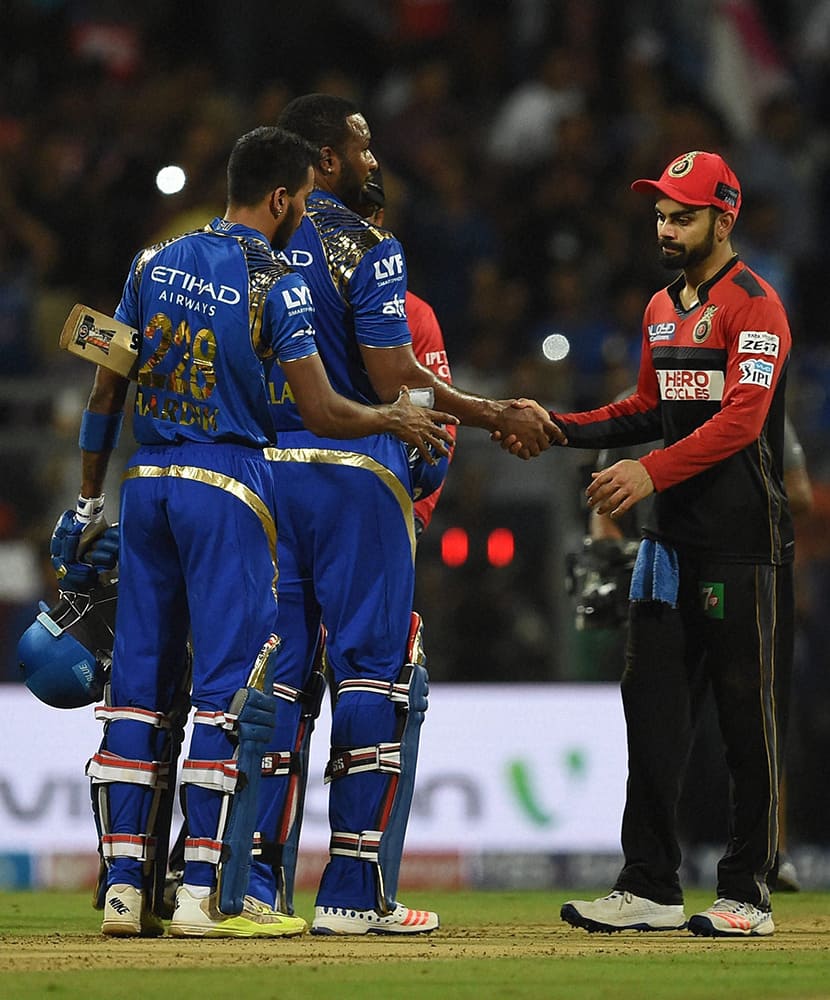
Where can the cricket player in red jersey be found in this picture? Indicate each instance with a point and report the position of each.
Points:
(712, 591)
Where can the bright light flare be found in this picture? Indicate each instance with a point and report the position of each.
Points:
(556, 347)
(171, 179)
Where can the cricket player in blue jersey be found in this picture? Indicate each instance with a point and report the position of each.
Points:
(212, 310)
(347, 547)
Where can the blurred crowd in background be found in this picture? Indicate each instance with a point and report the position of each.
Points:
(509, 132)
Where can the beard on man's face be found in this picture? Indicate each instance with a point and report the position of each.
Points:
(287, 227)
(350, 186)
(681, 257)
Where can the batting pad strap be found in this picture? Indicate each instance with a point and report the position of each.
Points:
(217, 775)
(203, 849)
(109, 713)
(384, 757)
(100, 431)
(128, 845)
(363, 846)
(105, 767)
(265, 850)
(288, 693)
(224, 720)
(280, 764)
(397, 690)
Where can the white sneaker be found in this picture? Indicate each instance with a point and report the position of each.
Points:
(730, 918)
(125, 914)
(622, 911)
(199, 917)
(402, 920)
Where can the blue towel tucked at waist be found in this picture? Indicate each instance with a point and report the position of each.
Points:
(656, 576)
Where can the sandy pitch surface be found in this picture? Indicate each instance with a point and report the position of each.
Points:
(56, 952)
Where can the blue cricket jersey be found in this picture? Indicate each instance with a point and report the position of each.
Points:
(358, 276)
(213, 307)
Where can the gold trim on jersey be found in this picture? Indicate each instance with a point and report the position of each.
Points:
(223, 482)
(355, 460)
(346, 239)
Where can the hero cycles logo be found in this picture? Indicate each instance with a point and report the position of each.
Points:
(41, 802)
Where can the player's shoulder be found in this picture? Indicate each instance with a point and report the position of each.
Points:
(750, 283)
(345, 232)
(741, 286)
(149, 253)
(261, 258)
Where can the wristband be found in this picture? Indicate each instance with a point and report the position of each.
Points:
(100, 431)
(90, 509)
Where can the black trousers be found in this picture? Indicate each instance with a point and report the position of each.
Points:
(733, 631)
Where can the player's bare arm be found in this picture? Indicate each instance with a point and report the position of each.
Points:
(529, 423)
(106, 398)
(328, 414)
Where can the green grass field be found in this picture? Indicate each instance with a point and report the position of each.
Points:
(490, 945)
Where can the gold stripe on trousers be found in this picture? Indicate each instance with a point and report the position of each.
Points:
(225, 483)
(355, 460)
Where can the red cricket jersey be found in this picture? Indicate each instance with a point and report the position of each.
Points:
(711, 384)
(428, 347)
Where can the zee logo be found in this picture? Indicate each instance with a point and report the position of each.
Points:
(758, 342)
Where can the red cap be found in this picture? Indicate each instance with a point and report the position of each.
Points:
(697, 178)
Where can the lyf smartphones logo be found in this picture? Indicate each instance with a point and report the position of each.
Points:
(757, 372)
(297, 299)
(389, 268)
(759, 342)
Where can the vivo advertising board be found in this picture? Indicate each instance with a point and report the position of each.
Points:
(519, 768)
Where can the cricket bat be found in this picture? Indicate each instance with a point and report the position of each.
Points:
(99, 338)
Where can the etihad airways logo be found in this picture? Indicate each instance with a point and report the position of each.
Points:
(691, 385)
(194, 285)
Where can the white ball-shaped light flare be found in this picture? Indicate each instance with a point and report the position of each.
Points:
(171, 179)
(555, 347)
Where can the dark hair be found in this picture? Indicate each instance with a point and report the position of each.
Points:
(319, 118)
(267, 158)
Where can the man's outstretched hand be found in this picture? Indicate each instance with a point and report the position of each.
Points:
(525, 429)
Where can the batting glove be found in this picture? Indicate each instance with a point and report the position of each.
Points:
(74, 574)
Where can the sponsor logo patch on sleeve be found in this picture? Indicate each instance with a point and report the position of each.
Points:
(758, 342)
(757, 372)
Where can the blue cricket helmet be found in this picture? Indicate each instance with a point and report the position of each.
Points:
(66, 653)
